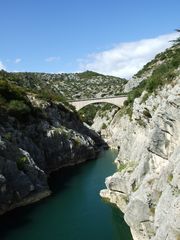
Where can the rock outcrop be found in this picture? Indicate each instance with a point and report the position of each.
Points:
(31, 148)
(146, 186)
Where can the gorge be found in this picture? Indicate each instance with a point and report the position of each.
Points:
(41, 133)
(73, 211)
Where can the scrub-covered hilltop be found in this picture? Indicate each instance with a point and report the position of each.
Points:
(39, 133)
(146, 186)
(73, 85)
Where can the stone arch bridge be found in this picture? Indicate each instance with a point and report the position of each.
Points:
(117, 101)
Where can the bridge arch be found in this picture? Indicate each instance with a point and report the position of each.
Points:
(117, 101)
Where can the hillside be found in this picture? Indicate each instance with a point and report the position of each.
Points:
(39, 133)
(71, 86)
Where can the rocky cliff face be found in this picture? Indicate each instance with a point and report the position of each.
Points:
(146, 186)
(32, 147)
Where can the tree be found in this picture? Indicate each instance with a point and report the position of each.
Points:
(176, 41)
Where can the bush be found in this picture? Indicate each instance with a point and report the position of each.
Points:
(49, 95)
(21, 162)
(88, 113)
(104, 126)
(122, 166)
(11, 91)
(145, 97)
(147, 113)
(18, 108)
(2, 101)
(126, 103)
(134, 94)
(8, 136)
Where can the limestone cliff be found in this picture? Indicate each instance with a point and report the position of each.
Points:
(146, 186)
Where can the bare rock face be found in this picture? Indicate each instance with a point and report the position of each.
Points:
(31, 148)
(147, 185)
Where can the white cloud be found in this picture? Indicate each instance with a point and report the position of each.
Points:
(52, 59)
(125, 59)
(2, 66)
(17, 60)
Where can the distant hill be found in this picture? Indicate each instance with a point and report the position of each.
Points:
(72, 86)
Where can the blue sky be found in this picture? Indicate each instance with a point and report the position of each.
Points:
(73, 35)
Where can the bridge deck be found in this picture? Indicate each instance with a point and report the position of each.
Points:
(91, 99)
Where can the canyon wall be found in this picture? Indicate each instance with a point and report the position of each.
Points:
(146, 186)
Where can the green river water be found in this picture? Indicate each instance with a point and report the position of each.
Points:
(74, 211)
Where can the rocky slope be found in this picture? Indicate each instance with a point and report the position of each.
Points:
(146, 186)
(37, 136)
(72, 86)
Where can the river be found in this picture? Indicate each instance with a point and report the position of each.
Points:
(74, 211)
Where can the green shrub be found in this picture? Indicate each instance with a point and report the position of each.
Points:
(147, 113)
(122, 166)
(170, 177)
(13, 99)
(49, 95)
(8, 136)
(104, 126)
(152, 210)
(77, 142)
(18, 108)
(141, 122)
(10, 91)
(134, 94)
(88, 113)
(21, 162)
(2, 101)
(145, 97)
(126, 103)
(134, 186)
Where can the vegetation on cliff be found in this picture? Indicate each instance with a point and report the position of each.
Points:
(146, 186)
(14, 98)
(39, 133)
(88, 113)
(161, 71)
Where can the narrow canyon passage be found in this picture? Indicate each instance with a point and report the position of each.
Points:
(74, 211)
